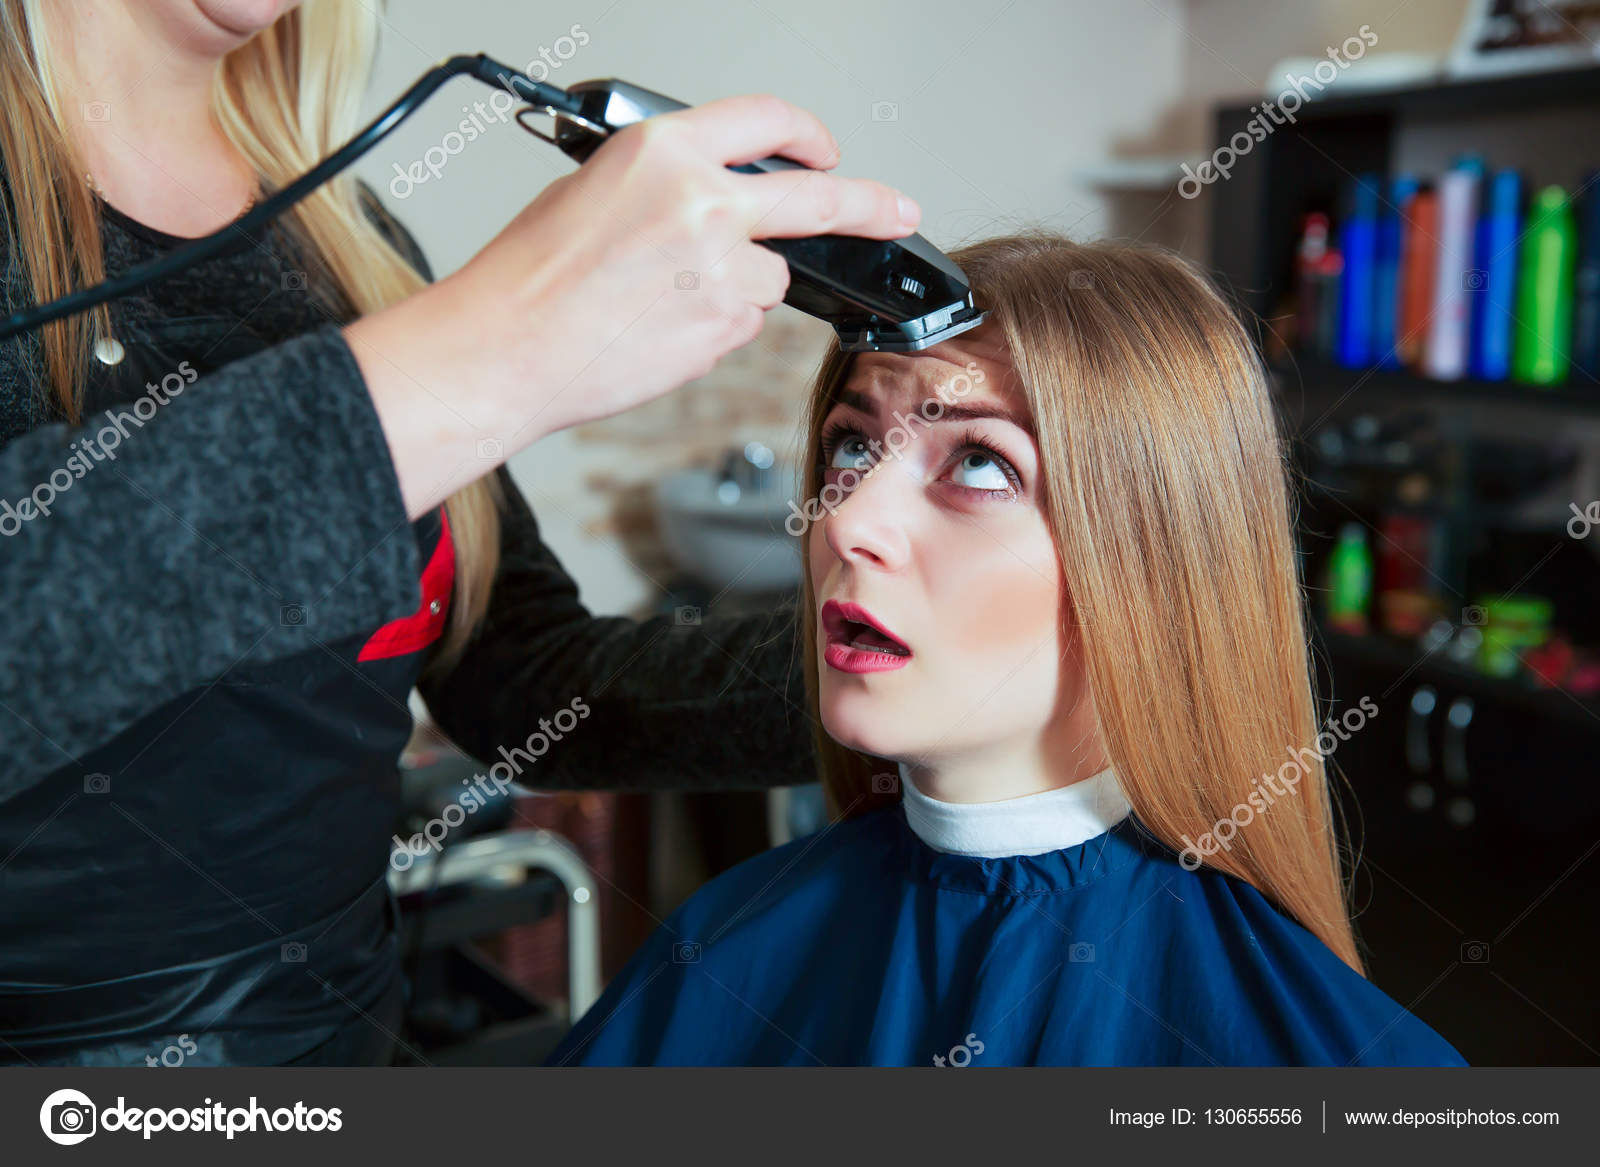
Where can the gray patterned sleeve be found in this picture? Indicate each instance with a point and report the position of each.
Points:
(238, 513)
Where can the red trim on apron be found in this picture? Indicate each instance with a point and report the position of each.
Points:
(420, 629)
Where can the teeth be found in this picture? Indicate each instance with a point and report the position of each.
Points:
(866, 638)
(875, 648)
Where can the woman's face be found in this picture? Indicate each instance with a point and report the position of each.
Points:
(214, 26)
(946, 547)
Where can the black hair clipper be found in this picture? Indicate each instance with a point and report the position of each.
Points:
(891, 295)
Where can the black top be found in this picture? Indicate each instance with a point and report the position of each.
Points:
(210, 642)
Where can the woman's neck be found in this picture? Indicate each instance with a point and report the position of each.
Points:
(1008, 770)
(137, 101)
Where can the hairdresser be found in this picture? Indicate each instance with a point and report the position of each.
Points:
(245, 511)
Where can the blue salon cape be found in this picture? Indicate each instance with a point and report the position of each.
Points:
(862, 945)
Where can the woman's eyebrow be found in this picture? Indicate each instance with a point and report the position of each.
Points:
(980, 409)
(861, 403)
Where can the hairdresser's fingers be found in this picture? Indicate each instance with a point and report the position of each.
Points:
(736, 130)
(797, 203)
(761, 275)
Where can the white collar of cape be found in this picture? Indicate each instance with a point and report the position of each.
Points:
(1031, 825)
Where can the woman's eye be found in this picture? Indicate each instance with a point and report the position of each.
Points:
(850, 453)
(979, 471)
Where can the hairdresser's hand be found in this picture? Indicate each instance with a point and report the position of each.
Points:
(620, 282)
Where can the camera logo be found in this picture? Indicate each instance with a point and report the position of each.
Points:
(67, 1117)
(686, 952)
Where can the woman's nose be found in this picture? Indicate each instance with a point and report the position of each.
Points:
(869, 527)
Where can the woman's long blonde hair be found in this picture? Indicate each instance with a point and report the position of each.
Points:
(286, 99)
(1166, 486)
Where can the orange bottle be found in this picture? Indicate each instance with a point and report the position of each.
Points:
(1419, 236)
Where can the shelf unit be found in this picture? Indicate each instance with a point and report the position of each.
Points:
(1318, 382)
(1476, 799)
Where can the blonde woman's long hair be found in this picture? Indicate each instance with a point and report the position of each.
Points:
(286, 100)
(1167, 490)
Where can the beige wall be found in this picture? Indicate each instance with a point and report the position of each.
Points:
(1233, 44)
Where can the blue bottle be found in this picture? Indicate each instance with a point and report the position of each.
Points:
(1495, 271)
(1358, 241)
(1386, 273)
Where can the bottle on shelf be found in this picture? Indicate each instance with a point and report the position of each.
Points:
(1386, 273)
(1586, 286)
(1543, 324)
(1350, 581)
(1406, 602)
(1317, 272)
(1499, 233)
(1455, 279)
(1418, 266)
(1358, 242)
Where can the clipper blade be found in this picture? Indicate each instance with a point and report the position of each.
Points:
(886, 336)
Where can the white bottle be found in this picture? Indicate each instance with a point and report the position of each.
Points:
(1457, 282)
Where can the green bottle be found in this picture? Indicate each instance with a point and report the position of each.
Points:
(1350, 581)
(1543, 320)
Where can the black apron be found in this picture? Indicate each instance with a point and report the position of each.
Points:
(213, 880)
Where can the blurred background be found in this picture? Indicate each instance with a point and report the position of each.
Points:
(1400, 194)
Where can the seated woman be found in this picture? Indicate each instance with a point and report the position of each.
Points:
(1058, 653)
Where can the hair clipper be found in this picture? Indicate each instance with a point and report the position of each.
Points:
(891, 295)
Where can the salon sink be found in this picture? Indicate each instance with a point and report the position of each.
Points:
(725, 527)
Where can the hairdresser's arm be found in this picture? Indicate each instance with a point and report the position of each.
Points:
(715, 705)
(571, 313)
(267, 484)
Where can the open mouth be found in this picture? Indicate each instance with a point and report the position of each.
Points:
(856, 630)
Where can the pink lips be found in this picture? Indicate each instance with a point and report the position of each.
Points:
(858, 642)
